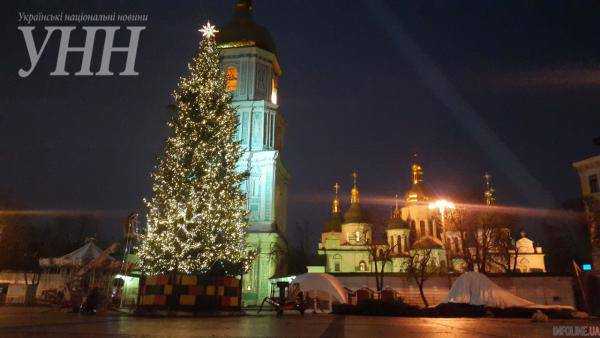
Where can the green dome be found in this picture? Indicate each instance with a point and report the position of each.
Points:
(334, 223)
(243, 31)
(355, 214)
(397, 223)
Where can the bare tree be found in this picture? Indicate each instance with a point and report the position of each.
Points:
(462, 223)
(380, 255)
(485, 240)
(419, 267)
(504, 253)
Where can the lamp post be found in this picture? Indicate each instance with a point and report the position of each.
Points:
(441, 205)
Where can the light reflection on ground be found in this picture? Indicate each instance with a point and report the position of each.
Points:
(43, 322)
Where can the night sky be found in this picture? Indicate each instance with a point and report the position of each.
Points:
(512, 88)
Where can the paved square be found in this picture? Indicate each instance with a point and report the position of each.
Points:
(43, 322)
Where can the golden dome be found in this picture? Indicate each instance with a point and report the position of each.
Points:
(417, 192)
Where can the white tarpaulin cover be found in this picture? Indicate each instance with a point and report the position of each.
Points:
(476, 289)
(78, 257)
(322, 282)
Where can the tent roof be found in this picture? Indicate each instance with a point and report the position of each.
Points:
(322, 282)
(88, 252)
(477, 289)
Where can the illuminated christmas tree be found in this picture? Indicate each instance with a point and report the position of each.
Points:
(197, 216)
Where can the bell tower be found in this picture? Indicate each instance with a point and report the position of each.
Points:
(249, 58)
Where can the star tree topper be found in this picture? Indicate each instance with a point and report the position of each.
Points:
(208, 30)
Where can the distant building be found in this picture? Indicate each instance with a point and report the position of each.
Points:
(589, 177)
(529, 258)
(348, 241)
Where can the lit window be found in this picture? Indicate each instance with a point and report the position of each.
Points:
(362, 266)
(593, 179)
(358, 236)
(274, 91)
(232, 78)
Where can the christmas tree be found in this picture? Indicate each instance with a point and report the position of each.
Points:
(197, 217)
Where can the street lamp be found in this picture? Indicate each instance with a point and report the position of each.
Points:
(441, 205)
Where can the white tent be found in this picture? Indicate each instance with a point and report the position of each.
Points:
(322, 282)
(77, 258)
(476, 289)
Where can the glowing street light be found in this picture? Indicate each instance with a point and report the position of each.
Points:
(441, 205)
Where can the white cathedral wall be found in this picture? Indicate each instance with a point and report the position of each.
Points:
(418, 213)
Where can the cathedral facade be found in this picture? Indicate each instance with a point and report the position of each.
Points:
(249, 59)
(348, 239)
(348, 242)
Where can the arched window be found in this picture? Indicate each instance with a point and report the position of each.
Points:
(337, 263)
(358, 236)
(422, 228)
(362, 266)
(232, 78)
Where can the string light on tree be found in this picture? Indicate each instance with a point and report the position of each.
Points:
(197, 219)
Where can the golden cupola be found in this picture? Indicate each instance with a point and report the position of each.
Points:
(333, 225)
(489, 196)
(417, 192)
(355, 214)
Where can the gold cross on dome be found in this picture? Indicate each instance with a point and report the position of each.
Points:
(336, 188)
(208, 30)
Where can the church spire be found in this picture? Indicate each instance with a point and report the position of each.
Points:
(417, 192)
(396, 212)
(335, 204)
(354, 194)
(489, 196)
(417, 170)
